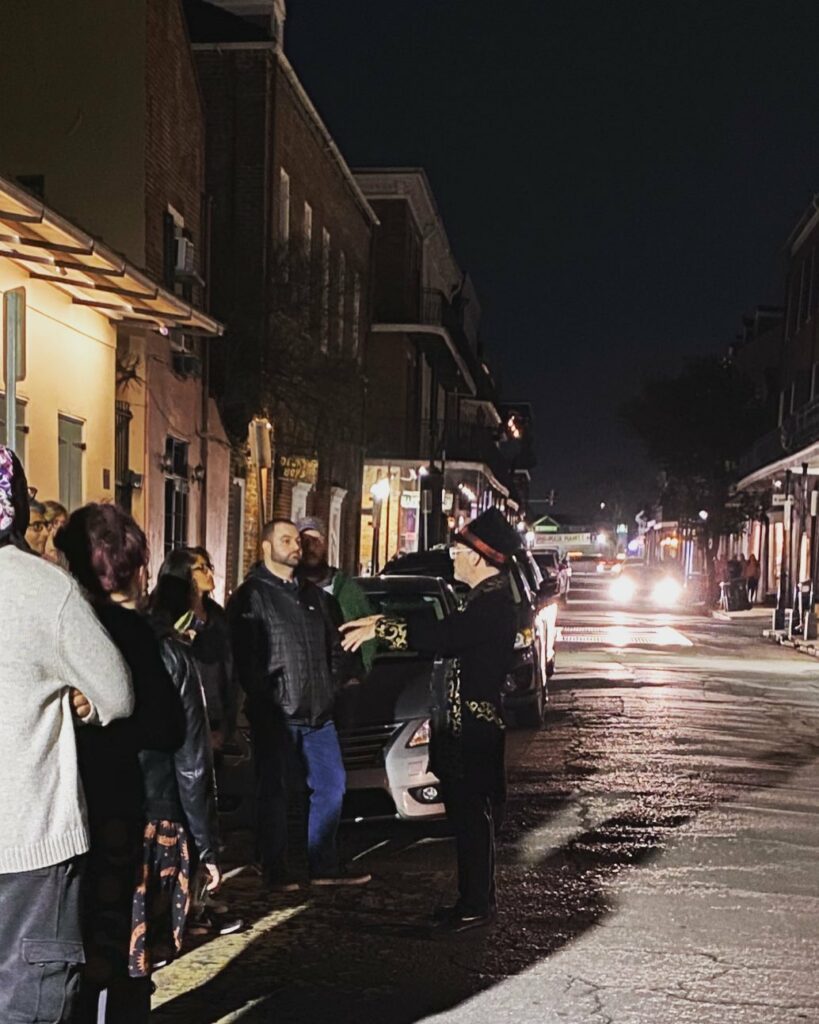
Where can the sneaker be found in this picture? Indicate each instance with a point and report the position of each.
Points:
(224, 924)
(216, 924)
(344, 876)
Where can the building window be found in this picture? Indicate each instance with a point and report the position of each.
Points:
(70, 461)
(284, 222)
(325, 289)
(356, 317)
(307, 233)
(284, 206)
(175, 464)
(801, 314)
(19, 442)
(341, 299)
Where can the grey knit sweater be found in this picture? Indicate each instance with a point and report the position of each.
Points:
(51, 640)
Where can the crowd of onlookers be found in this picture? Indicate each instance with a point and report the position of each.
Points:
(117, 706)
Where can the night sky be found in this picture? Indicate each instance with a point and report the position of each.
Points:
(619, 179)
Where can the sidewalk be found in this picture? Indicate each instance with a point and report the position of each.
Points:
(752, 614)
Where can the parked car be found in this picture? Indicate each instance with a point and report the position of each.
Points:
(526, 694)
(554, 567)
(384, 721)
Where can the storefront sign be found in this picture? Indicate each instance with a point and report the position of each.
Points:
(297, 467)
(410, 499)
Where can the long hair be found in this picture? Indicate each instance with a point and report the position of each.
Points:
(173, 594)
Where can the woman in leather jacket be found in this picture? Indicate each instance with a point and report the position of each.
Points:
(181, 787)
(107, 552)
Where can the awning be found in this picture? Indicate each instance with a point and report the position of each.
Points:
(54, 250)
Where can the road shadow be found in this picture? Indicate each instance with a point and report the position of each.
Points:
(367, 957)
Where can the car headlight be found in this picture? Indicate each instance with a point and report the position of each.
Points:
(420, 738)
(622, 590)
(523, 639)
(666, 592)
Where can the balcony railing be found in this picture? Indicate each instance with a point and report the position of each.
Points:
(400, 438)
(797, 431)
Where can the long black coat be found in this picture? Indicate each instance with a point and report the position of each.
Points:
(468, 742)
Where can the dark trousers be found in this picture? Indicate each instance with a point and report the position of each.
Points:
(286, 754)
(471, 813)
(40, 944)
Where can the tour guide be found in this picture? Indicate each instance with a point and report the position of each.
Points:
(467, 748)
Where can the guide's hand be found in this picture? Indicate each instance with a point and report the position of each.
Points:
(359, 631)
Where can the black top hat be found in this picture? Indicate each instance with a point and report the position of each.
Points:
(491, 536)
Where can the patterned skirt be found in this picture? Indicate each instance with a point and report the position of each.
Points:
(162, 897)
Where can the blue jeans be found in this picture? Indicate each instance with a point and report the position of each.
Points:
(317, 755)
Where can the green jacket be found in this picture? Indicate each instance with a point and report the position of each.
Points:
(354, 605)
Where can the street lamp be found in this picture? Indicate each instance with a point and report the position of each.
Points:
(703, 514)
(379, 492)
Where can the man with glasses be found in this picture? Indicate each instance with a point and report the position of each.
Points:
(467, 745)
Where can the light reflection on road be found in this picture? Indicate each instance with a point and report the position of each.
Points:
(619, 635)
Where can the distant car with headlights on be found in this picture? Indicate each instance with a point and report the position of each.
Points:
(658, 587)
(383, 722)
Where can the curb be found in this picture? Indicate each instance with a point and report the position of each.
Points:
(800, 646)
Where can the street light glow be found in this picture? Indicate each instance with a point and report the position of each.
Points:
(380, 490)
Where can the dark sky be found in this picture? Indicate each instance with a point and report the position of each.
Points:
(619, 178)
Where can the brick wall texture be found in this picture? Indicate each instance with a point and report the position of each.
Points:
(257, 126)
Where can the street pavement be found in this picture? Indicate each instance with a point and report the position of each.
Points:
(658, 862)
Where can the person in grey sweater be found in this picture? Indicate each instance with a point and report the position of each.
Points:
(54, 651)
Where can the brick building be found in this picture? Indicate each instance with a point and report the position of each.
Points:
(437, 445)
(292, 238)
(119, 147)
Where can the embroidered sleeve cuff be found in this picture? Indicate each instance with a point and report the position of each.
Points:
(392, 633)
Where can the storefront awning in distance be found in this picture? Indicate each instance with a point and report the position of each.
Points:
(52, 249)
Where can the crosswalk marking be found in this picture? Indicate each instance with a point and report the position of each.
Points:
(623, 636)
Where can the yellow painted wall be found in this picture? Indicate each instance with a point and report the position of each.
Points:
(55, 120)
(71, 369)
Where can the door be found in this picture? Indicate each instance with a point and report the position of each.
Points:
(71, 448)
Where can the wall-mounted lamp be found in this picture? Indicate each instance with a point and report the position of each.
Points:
(166, 463)
(198, 474)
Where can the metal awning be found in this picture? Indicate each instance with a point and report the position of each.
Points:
(54, 250)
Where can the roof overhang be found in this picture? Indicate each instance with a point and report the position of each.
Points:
(54, 250)
(793, 462)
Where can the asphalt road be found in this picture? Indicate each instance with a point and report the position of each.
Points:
(658, 863)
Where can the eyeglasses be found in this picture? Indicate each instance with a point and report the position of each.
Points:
(38, 527)
(456, 549)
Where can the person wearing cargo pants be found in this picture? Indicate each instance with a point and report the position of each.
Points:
(42, 944)
(56, 662)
